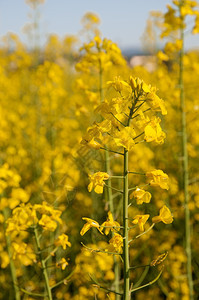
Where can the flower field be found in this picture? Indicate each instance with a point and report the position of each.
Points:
(99, 168)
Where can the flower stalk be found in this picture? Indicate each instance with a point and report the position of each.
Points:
(44, 267)
(136, 89)
(12, 266)
(125, 231)
(109, 194)
(185, 162)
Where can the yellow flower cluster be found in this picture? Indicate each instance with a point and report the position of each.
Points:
(99, 53)
(26, 216)
(113, 127)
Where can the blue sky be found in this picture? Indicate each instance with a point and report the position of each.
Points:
(122, 21)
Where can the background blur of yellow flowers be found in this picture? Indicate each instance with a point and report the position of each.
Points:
(99, 173)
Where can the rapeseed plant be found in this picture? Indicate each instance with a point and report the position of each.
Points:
(115, 179)
(135, 96)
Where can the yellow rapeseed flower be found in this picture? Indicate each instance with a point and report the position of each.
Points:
(119, 85)
(158, 178)
(90, 223)
(153, 132)
(156, 103)
(140, 220)
(164, 216)
(62, 264)
(141, 196)
(110, 223)
(97, 182)
(47, 223)
(23, 253)
(62, 240)
(125, 137)
(116, 243)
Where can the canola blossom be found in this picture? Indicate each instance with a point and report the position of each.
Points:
(140, 220)
(165, 216)
(158, 178)
(97, 182)
(109, 224)
(90, 223)
(141, 196)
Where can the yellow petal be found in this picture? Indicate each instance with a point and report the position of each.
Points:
(85, 228)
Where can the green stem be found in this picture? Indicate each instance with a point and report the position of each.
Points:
(32, 294)
(63, 280)
(44, 267)
(117, 278)
(116, 262)
(126, 293)
(111, 207)
(114, 189)
(103, 287)
(12, 266)
(109, 189)
(118, 120)
(185, 165)
(137, 267)
(139, 186)
(138, 135)
(137, 173)
(139, 235)
(50, 255)
(125, 224)
(111, 151)
(149, 283)
(101, 81)
(163, 288)
(142, 277)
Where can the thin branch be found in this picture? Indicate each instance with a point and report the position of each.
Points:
(32, 294)
(138, 106)
(131, 227)
(50, 255)
(125, 114)
(118, 120)
(114, 189)
(142, 141)
(103, 287)
(112, 151)
(146, 110)
(45, 249)
(143, 275)
(145, 231)
(163, 288)
(137, 173)
(134, 188)
(43, 265)
(63, 280)
(139, 114)
(137, 236)
(50, 266)
(149, 283)
(138, 135)
(115, 195)
(137, 267)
